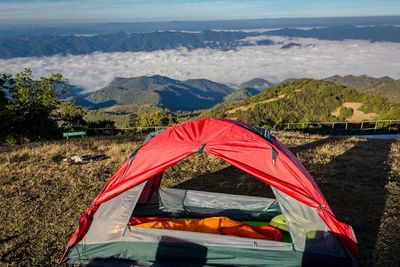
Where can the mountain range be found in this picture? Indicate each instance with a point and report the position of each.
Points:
(48, 45)
(196, 94)
(160, 91)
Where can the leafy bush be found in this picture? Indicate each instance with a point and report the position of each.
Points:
(157, 118)
(345, 113)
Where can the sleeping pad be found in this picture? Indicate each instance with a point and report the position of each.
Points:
(212, 225)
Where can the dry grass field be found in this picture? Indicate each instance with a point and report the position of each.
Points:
(42, 197)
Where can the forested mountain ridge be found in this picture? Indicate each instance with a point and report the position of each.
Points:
(304, 100)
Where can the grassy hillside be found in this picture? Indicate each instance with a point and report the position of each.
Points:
(303, 100)
(42, 198)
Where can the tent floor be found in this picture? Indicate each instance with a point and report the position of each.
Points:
(124, 253)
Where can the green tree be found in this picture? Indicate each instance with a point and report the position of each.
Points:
(71, 116)
(345, 113)
(33, 103)
(156, 118)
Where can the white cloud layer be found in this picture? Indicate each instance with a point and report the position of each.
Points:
(315, 59)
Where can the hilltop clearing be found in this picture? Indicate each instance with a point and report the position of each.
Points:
(357, 114)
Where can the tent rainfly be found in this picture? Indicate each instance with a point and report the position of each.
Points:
(106, 236)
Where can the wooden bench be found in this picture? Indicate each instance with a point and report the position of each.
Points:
(73, 134)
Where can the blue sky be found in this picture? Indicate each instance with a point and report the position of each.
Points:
(60, 11)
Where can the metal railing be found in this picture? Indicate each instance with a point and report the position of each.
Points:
(388, 125)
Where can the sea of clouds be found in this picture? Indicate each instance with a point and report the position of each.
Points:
(314, 59)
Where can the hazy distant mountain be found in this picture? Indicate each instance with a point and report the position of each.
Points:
(161, 91)
(256, 83)
(383, 86)
(247, 89)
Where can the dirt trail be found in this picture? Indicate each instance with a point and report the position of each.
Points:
(247, 107)
(358, 115)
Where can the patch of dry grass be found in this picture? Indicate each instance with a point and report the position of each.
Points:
(42, 199)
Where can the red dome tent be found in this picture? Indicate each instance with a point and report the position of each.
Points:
(250, 149)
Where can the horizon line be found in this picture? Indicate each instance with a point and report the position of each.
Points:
(71, 22)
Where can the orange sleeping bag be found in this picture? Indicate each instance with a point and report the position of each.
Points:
(212, 225)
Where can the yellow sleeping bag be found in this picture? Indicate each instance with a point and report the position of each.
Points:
(279, 222)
